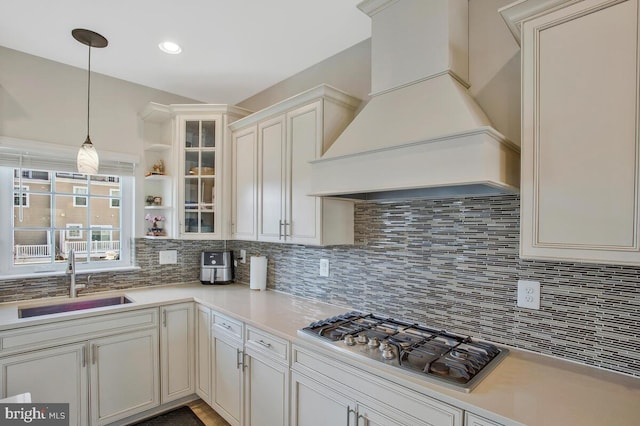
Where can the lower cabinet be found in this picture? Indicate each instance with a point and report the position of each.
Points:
(122, 370)
(325, 389)
(315, 404)
(177, 344)
(227, 378)
(57, 375)
(203, 353)
(124, 375)
(266, 395)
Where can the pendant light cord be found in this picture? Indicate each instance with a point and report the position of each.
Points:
(88, 91)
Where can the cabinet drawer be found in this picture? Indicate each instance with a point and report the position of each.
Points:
(375, 391)
(226, 325)
(62, 332)
(267, 344)
(471, 419)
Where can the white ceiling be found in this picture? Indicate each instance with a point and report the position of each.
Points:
(231, 49)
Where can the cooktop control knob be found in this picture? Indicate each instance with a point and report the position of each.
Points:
(362, 339)
(388, 353)
(373, 342)
(349, 340)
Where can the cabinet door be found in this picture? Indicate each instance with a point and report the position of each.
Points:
(227, 379)
(176, 351)
(580, 150)
(57, 375)
(244, 190)
(314, 404)
(266, 392)
(304, 143)
(200, 191)
(271, 183)
(203, 353)
(124, 375)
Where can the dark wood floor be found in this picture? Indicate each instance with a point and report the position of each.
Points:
(206, 414)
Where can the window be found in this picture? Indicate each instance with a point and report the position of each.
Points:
(74, 231)
(24, 195)
(41, 236)
(114, 202)
(79, 201)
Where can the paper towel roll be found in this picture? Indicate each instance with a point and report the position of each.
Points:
(258, 273)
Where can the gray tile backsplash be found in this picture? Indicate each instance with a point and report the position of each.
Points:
(449, 263)
(454, 264)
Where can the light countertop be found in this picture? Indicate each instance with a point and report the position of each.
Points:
(525, 388)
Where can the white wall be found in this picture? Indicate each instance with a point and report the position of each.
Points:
(46, 101)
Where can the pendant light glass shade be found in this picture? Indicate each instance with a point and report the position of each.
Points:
(88, 160)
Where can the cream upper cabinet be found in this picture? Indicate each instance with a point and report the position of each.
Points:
(244, 191)
(580, 153)
(290, 134)
(193, 191)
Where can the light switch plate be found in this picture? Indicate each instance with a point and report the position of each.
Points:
(168, 257)
(529, 294)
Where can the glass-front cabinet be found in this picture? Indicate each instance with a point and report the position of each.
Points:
(188, 143)
(199, 142)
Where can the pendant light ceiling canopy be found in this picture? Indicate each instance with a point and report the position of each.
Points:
(88, 160)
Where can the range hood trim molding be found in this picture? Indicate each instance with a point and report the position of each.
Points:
(450, 73)
(486, 130)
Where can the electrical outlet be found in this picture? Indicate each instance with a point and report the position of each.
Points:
(529, 294)
(243, 256)
(324, 267)
(168, 257)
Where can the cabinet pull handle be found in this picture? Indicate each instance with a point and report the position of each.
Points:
(239, 359)
(225, 325)
(349, 411)
(285, 229)
(280, 224)
(265, 344)
(84, 356)
(94, 354)
(164, 318)
(363, 417)
(245, 364)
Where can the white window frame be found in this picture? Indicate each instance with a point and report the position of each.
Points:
(125, 259)
(24, 194)
(116, 194)
(74, 227)
(78, 190)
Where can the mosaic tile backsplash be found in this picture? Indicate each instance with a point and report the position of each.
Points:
(449, 263)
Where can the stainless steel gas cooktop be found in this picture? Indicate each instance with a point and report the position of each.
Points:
(446, 358)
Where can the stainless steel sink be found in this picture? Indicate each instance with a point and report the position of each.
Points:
(76, 305)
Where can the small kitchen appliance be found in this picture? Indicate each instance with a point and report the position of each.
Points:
(455, 361)
(216, 267)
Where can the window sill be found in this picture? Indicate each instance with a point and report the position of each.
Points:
(61, 273)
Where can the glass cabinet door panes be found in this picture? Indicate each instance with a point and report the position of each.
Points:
(208, 134)
(199, 176)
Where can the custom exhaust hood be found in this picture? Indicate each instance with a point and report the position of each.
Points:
(421, 134)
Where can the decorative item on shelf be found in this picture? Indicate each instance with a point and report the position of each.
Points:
(157, 169)
(156, 229)
(157, 201)
(149, 200)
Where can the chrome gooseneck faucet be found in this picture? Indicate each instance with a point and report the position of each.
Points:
(71, 271)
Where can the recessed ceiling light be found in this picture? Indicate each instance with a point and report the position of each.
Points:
(170, 47)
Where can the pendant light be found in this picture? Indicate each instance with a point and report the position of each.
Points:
(87, 155)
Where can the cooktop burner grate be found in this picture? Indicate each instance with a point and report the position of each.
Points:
(429, 353)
